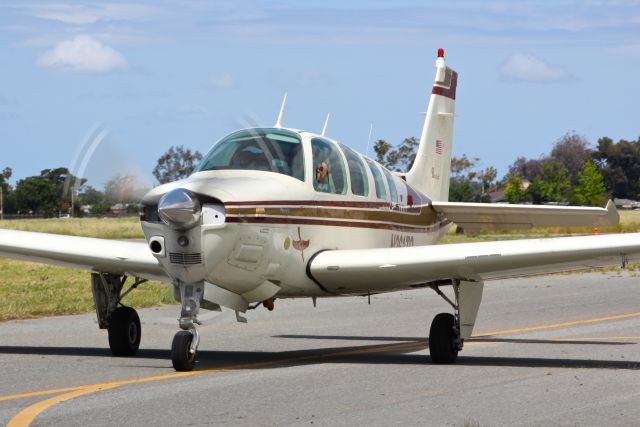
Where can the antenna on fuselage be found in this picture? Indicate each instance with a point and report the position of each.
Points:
(281, 114)
(326, 123)
(366, 153)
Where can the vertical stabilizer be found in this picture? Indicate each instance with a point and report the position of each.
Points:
(431, 170)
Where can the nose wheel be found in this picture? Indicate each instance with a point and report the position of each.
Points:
(183, 354)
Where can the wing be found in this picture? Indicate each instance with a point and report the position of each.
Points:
(353, 271)
(97, 255)
(505, 216)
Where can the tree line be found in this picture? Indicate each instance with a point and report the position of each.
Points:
(572, 172)
(56, 192)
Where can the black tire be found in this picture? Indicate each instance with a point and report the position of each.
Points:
(124, 332)
(181, 357)
(442, 339)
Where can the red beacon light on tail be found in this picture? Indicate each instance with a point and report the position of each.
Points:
(440, 53)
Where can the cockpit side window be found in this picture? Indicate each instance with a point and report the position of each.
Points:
(381, 192)
(357, 172)
(273, 150)
(329, 172)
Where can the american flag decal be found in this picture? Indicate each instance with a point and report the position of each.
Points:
(438, 146)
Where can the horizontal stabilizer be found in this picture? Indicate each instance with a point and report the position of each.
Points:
(501, 216)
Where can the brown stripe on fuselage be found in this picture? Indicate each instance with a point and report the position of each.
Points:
(418, 217)
(335, 223)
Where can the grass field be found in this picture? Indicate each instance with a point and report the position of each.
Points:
(33, 290)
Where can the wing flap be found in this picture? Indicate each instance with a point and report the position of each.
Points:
(87, 253)
(353, 271)
(501, 216)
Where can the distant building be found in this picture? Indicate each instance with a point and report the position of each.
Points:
(626, 204)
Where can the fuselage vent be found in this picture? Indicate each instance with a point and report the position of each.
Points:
(185, 259)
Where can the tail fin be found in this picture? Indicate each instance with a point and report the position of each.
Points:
(431, 170)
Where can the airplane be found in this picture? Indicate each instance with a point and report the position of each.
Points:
(277, 212)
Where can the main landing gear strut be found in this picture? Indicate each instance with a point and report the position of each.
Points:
(448, 331)
(122, 323)
(185, 342)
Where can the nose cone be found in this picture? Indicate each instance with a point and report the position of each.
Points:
(179, 209)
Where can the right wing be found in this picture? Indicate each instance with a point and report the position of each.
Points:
(87, 253)
(387, 269)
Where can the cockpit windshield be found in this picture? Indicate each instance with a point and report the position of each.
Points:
(273, 150)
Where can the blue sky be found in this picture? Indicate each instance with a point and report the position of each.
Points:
(147, 75)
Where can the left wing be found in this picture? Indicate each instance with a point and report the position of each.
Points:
(352, 271)
(87, 253)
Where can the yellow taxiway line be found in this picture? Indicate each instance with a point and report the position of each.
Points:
(27, 415)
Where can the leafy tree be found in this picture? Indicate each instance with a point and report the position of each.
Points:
(590, 188)
(467, 184)
(399, 159)
(552, 185)
(381, 148)
(525, 168)
(620, 167)
(572, 151)
(513, 191)
(90, 196)
(123, 189)
(36, 194)
(177, 163)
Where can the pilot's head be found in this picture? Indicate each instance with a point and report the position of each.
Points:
(322, 171)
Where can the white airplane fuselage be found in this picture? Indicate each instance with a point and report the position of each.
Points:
(270, 225)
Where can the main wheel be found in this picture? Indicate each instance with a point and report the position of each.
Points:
(124, 332)
(443, 341)
(181, 356)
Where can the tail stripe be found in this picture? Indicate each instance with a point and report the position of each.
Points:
(449, 92)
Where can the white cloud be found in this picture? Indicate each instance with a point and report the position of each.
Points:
(75, 14)
(221, 81)
(627, 50)
(84, 55)
(528, 68)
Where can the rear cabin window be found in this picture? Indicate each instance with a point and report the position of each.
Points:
(392, 186)
(329, 172)
(381, 192)
(357, 172)
(273, 150)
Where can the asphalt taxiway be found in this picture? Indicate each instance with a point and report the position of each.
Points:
(559, 350)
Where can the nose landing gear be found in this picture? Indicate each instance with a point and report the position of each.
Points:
(184, 347)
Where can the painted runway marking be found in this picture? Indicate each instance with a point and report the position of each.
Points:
(27, 415)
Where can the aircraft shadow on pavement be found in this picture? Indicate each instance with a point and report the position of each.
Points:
(396, 353)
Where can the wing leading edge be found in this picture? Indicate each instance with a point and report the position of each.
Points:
(352, 271)
(503, 216)
(97, 255)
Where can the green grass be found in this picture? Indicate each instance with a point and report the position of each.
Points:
(30, 290)
(629, 223)
(107, 228)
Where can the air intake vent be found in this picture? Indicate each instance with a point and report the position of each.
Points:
(184, 259)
